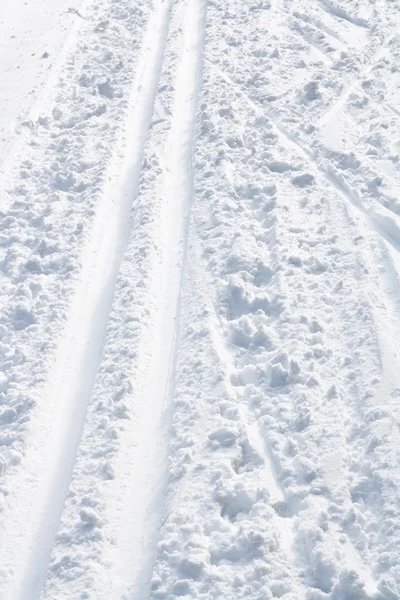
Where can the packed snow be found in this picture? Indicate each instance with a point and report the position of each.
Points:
(200, 300)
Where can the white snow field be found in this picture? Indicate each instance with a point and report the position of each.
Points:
(200, 299)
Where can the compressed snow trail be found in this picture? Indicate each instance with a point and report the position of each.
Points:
(142, 506)
(131, 508)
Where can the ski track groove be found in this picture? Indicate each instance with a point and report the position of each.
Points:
(142, 507)
(309, 37)
(82, 354)
(368, 57)
(134, 509)
(325, 29)
(332, 9)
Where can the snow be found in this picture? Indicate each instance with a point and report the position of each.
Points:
(34, 40)
(200, 235)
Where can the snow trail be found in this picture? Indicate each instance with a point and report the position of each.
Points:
(143, 504)
(134, 509)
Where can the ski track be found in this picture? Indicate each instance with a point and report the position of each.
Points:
(77, 360)
(173, 190)
(200, 250)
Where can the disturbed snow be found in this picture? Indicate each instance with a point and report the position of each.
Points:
(200, 236)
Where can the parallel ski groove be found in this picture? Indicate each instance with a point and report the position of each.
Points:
(149, 276)
(142, 506)
(80, 349)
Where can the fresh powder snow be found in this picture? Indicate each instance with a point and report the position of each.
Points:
(200, 300)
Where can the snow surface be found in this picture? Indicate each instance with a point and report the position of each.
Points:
(199, 300)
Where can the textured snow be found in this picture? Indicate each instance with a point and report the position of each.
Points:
(199, 301)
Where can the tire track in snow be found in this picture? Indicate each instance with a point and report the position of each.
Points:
(50, 463)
